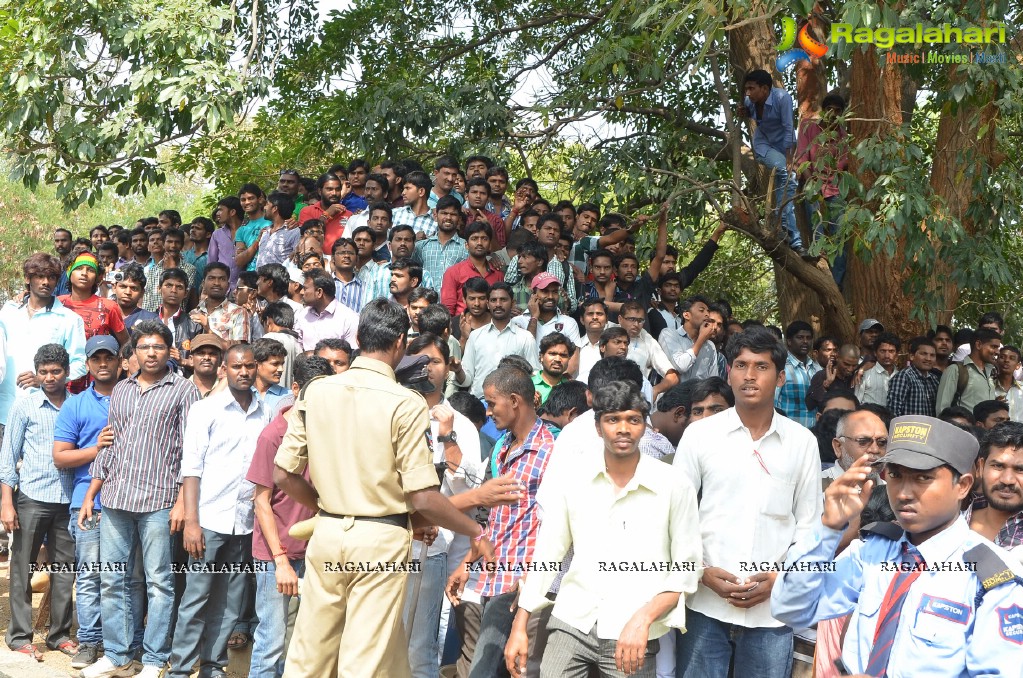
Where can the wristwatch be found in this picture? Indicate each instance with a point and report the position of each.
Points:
(449, 438)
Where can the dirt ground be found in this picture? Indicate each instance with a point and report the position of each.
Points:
(61, 663)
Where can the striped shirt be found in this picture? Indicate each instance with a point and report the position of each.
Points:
(423, 223)
(436, 258)
(790, 397)
(911, 391)
(513, 528)
(151, 298)
(29, 439)
(352, 294)
(140, 470)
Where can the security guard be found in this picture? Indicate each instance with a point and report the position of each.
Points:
(928, 596)
(364, 438)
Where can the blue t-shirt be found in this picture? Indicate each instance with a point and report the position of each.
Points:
(79, 422)
(249, 233)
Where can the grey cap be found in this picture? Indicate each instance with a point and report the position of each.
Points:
(925, 442)
(101, 342)
(412, 373)
(869, 323)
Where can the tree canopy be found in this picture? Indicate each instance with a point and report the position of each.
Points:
(634, 98)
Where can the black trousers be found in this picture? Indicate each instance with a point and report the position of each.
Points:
(38, 520)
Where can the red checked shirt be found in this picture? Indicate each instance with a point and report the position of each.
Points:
(513, 528)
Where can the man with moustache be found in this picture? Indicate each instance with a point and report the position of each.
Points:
(220, 439)
(543, 316)
(915, 389)
(928, 596)
(858, 433)
(555, 351)
(329, 210)
(998, 516)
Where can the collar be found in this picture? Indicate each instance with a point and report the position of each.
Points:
(795, 361)
(528, 444)
(227, 400)
(942, 546)
(646, 476)
(53, 303)
(95, 394)
(734, 423)
(373, 365)
(43, 401)
(165, 379)
(225, 305)
(454, 239)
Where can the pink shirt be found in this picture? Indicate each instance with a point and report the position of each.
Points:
(337, 321)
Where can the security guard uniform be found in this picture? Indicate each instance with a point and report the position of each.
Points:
(364, 438)
(962, 616)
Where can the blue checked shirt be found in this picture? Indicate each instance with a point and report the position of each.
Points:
(774, 130)
(424, 223)
(560, 270)
(376, 277)
(436, 258)
(29, 439)
(791, 397)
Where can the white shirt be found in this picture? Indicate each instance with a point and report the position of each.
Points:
(219, 441)
(648, 354)
(487, 345)
(354, 222)
(679, 348)
(749, 515)
(468, 475)
(873, 387)
(559, 323)
(589, 354)
(652, 521)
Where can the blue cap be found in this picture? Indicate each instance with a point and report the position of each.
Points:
(101, 342)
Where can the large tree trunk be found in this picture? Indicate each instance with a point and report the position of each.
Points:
(877, 289)
(805, 291)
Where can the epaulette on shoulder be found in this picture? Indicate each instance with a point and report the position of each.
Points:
(991, 569)
(885, 529)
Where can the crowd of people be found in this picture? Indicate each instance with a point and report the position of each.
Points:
(377, 423)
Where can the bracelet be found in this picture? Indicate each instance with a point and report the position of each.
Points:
(478, 537)
(284, 552)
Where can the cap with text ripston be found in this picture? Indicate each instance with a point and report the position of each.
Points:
(924, 443)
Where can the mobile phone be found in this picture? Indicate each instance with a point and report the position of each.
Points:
(90, 522)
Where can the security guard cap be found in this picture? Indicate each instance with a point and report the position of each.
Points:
(925, 442)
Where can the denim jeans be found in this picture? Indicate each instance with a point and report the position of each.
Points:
(272, 610)
(495, 627)
(207, 613)
(709, 645)
(87, 588)
(785, 185)
(119, 534)
(826, 224)
(423, 649)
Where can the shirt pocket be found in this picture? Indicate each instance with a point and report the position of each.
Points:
(938, 632)
(776, 498)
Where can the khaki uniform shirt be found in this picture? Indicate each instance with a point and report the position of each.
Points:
(364, 438)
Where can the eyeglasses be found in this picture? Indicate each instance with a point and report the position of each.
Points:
(864, 442)
(290, 171)
(142, 348)
(242, 288)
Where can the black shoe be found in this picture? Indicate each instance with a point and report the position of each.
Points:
(86, 656)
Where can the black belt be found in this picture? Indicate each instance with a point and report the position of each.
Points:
(396, 519)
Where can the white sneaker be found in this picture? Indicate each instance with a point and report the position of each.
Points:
(150, 671)
(104, 668)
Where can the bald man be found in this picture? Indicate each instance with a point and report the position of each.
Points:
(834, 376)
(857, 433)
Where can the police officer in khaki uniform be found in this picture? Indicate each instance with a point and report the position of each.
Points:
(365, 440)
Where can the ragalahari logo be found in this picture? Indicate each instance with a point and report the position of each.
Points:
(808, 45)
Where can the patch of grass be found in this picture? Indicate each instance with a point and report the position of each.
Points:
(28, 218)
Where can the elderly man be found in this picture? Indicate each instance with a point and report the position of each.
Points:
(858, 433)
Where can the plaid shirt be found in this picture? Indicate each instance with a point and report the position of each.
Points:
(424, 223)
(436, 258)
(791, 396)
(910, 391)
(558, 269)
(513, 528)
(1011, 534)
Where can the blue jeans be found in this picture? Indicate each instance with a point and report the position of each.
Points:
(495, 627)
(708, 646)
(207, 613)
(826, 224)
(87, 588)
(785, 185)
(120, 533)
(272, 611)
(424, 648)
